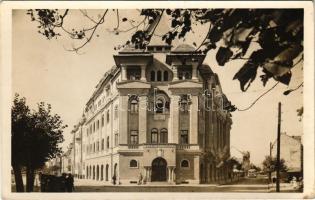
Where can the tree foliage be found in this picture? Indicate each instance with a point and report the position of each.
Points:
(35, 136)
(278, 32)
(270, 164)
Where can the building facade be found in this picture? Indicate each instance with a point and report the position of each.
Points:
(158, 112)
(291, 151)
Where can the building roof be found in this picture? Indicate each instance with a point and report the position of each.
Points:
(184, 48)
(131, 49)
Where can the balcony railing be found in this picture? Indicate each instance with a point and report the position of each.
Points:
(166, 145)
(123, 147)
(187, 147)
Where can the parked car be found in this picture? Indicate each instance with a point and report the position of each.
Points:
(252, 173)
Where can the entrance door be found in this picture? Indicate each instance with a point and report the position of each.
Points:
(159, 169)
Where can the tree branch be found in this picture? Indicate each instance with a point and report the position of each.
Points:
(263, 94)
(101, 21)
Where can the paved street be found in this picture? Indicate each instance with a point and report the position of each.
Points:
(259, 184)
(248, 185)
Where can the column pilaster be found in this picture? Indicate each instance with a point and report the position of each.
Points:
(142, 119)
(143, 73)
(194, 71)
(193, 126)
(175, 73)
(173, 136)
(123, 72)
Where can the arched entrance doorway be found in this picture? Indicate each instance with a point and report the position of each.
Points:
(159, 169)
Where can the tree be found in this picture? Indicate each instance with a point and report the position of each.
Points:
(270, 164)
(278, 32)
(35, 138)
(235, 164)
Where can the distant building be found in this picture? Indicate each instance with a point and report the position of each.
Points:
(291, 150)
(66, 161)
(158, 112)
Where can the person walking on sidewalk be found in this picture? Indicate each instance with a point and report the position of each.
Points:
(114, 179)
(70, 183)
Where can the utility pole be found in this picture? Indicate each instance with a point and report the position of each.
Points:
(270, 155)
(278, 148)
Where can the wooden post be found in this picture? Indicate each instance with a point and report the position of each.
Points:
(278, 148)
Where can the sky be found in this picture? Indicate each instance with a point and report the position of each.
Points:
(44, 70)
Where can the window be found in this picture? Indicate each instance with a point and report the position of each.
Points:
(116, 112)
(134, 137)
(159, 48)
(133, 73)
(107, 116)
(107, 142)
(97, 124)
(93, 127)
(184, 103)
(152, 76)
(108, 90)
(134, 105)
(154, 136)
(163, 136)
(165, 75)
(103, 120)
(97, 146)
(94, 147)
(184, 164)
(184, 136)
(133, 164)
(116, 139)
(103, 144)
(159, 76)
(159, 106)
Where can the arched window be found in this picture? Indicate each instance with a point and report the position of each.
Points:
(107, 116)
(97, 172)
(133, 105)
(116, 112)
(93, 172)
(106, 172)
(103, 144)
(165, 76)
(133, 164)
(152, 75)
(184, 164)
(163, 136)
(159, 76)
(154, 136)
(107, 142)
(102, 172)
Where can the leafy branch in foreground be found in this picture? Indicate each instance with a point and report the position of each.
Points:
(232, 32)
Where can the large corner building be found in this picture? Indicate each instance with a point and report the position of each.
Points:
(158, 112)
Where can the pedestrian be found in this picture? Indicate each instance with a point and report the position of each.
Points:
(63, 180)
(140, 179)
(70, 183)
(42, 180)
(114, 179)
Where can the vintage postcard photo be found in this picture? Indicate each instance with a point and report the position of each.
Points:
(158, 99)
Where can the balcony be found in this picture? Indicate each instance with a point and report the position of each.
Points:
(187, 147)
(168, 145)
